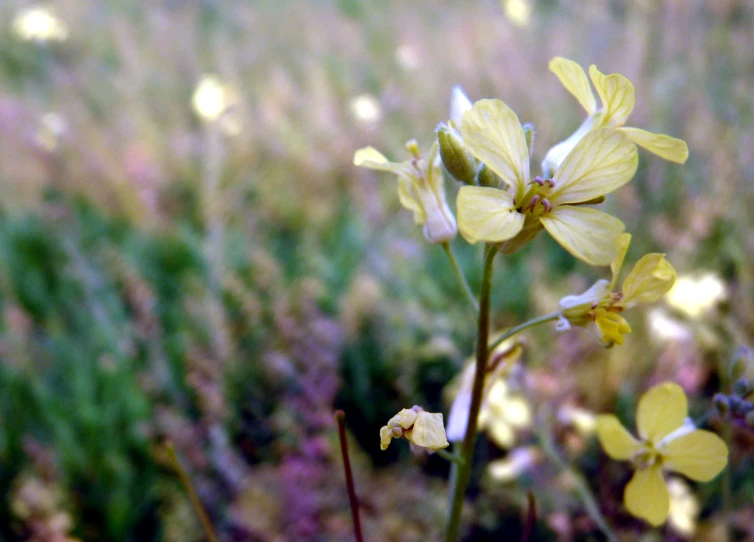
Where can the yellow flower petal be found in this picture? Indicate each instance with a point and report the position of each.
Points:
(410, 201)
(428, 431)
(700, 455)
(623, 241)
(601, 162)
(617, 442)
(612, 326)
(649, 280)
(574, 79)
(590, 235)
(492, 132)
(617, 95)
(371, 158)
(661, 411)
(664, 146)
(487, 214)
(646, 496)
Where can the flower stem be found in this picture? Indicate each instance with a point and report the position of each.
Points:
(447, 456)
(340, 417)
(467, 446)
(585, 494)
(460, 275)
(193, 497)
(519, 328)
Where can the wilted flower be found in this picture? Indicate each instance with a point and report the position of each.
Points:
(419, 427)
(601, 162)
(421, 188)
(648, 281)
(618, 98)
(668, 441)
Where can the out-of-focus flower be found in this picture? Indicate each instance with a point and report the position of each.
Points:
(41, 24)
(518, 461)
(693, 295)
(684, 507)
(365, 108)
(581, 419)
(407, 57)
(666, 328)
(667, 441)
(518, 11)
(618, 98)
(421, 188)
(214, 101)
(648, 281)
(502, 411)
(51, 127)
(601, 162)
(419, 427)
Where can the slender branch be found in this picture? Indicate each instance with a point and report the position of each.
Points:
(519, 328)
(587, 499)
(340, 417)
(531, 516)
(193, 497)
(461, 277)
(467, 447)
(447, 456)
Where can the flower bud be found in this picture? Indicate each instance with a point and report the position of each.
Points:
(457, 160)
(722, 405)
(741, 387)
(489, 178)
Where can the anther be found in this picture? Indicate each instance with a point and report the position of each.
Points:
(533, 203)
(539, 180)
(547, 205)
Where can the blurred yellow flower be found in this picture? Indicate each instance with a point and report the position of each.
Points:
(695, 294)
(618, 98)
(419, 427)
(39, 23)
(421, 188)
(667, 441)
(214, 101)
(513, 465)
(648, 281)
(365, 108)
(684, 507)
(502, 411)
(517, 11)
(602, 161)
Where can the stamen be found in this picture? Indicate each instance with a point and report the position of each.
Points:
(547, 205)
(533, 203)
(538, 180)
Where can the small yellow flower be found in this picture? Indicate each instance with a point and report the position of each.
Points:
(421, 428)
(667, 442)
(421, 188)
(618, 98)
(648, 281)
(601, 162)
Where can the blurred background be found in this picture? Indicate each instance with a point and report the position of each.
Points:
(187, 254)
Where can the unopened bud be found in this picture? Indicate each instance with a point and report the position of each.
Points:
(530, 134)
(741, 387)
(722, 405)
(741, 364)
(457, 160)
(487, 177)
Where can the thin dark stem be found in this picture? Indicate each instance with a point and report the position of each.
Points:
(340, 417)
(531, 516)
(467, 447)
(193, 497)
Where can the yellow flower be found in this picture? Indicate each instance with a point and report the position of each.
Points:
(422, 428)
(421, 188)
(667, 442)
(618, 98)
(648, 281)
(501, 412)
(601, 162)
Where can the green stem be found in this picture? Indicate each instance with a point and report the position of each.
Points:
(587, 499)
(447, 456)
(467, 447)
(519, 328)
(460, 275)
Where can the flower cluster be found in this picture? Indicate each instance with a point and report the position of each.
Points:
(424, 429)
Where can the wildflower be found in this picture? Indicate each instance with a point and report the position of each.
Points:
(668, 441)
(648, 281)
(618, 98)
(694, 295)
(422, 428)
(502, 411)
(421, 188)
(684, 507)
(601, 162)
